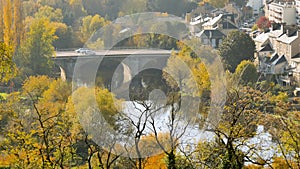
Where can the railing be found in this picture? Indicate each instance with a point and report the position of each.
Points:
(67, 49)
(117, 48)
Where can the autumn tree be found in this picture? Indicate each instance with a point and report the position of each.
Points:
(8, 25)
(263, 23)
(283, 125)
(96, 120)
(18, 24)
(195, 69)
(1, 21)
(39, 130)
(188, 72)
(7, 66)
(137, 152)
(229, 146)
(236, 47)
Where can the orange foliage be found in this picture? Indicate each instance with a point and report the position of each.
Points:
(5, 160)
(156, 162)
(280, 163)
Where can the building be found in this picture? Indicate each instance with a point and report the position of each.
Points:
(223, 22)
(282, 12)
(211, 37)
(278, 53)
(256, 5)
(211, 31)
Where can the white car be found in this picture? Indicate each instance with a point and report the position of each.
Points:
(80, 50)
(88, 52)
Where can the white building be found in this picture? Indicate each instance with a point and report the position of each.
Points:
(297, 2)
(282, 12)
(256, 5)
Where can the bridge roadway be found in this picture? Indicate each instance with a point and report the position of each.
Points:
(115, 53)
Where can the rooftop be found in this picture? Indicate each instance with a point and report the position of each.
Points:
(266, 48)
(287, 39)
(279, 60)
(213, 21)
(263, 37)
(211, 33)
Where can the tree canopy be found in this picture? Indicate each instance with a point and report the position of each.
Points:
(236, 47)
(7, 66)
(263, 23)
(247, 72)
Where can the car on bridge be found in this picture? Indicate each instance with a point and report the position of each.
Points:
(81, 50)
(89, 52)
(85, 51)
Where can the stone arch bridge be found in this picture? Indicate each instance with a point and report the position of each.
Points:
(113, 67)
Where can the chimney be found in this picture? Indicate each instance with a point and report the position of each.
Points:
(283, 28)
(188, 18)
(274, 26)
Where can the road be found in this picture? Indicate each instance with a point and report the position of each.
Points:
(113, 53)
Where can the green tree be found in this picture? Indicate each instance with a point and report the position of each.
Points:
(217, 3)
(77, 8)
(247, 72)
(30, 8)
(18, 24)
(236, 47)
(90, 24)
(64, 36)
(175, 7)
(240, 3)
(133, 6)
(54, 15)
(38, 48)
(109, 9)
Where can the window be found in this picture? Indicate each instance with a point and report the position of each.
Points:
(213, 43)
(205, 41)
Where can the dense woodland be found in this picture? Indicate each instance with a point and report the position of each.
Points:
(42, 124)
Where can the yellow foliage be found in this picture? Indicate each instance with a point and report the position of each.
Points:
(253, 166)
(36, 85)
(280, 163)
